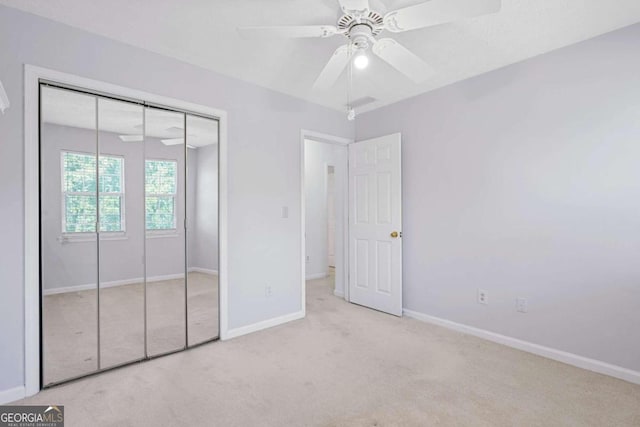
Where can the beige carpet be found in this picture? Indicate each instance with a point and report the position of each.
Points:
(70, 324)
(345, 365)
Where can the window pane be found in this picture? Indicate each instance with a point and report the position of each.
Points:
(111, 174)
(79, 173)
(160, 213)
(80, 214)
(110, 213)
(160, 176)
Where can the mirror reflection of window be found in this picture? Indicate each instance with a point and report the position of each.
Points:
(79, 193)
(161, 185)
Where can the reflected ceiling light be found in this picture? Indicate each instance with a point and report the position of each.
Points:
(361, 61)
(131, 138)
(173, 141)
(4, 99)
(175, 130)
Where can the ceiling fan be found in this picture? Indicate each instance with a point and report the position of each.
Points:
(361, 26)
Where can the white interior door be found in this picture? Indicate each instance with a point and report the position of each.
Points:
(375, 224)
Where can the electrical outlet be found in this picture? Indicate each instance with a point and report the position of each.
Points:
(267, 291)
(522, 305)
(308, 259)
(483, 296)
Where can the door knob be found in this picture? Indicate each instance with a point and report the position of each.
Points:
(395, 234)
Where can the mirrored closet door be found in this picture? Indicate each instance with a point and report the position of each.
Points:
(165, 230)
(202, 229)
(129, 231)
(68, 235)
(121, 245)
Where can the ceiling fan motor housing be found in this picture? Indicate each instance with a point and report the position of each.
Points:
(360, 29)
(360, 35)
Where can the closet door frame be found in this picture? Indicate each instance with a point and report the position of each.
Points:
(33, 76)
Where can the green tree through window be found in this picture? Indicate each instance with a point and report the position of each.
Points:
(160, 191)
(79, 193)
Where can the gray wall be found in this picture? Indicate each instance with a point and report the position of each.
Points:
(263, 163)
(526, 182)
(205, 236)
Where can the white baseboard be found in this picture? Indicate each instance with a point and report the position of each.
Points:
(338, 293)
(113, 283)
(203, 270)
(316, 276)
(548, 352)
(12, 394)
(243, 330)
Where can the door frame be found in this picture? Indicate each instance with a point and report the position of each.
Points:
(329, 139)
(32, 77)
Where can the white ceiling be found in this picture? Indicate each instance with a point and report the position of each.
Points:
(203, 32)
(69, 108)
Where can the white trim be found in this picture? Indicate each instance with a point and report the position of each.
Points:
(162, 234)
(203, 270)
(244, 330)
(222, 225)
(329, 139)
(12, 394)
(316, 276)
(325, 137)
(31, 234)
(548, 352)
(345, 229)
(303, 230)
(111, 284)
(338, 293)
(65, 239)
(32, 74)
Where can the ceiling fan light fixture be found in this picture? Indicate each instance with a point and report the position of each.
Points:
(361, 61)
(361, 25)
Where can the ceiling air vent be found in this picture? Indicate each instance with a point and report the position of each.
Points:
(362, 101)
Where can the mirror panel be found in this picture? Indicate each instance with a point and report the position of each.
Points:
(69, 247)
(202, 229)
(121, 250)
(165, 233)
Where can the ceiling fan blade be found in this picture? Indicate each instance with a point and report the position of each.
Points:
(436, 12)
(333, 69)
(349, 6)
(290, 31)
(402, 59)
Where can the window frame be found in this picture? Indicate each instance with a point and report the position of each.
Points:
(160, 232)
(90, 235)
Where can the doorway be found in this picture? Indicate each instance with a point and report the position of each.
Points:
(368, 219)
(129, 234)
(325, 197)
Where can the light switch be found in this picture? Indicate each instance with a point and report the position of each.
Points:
(285, 212)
